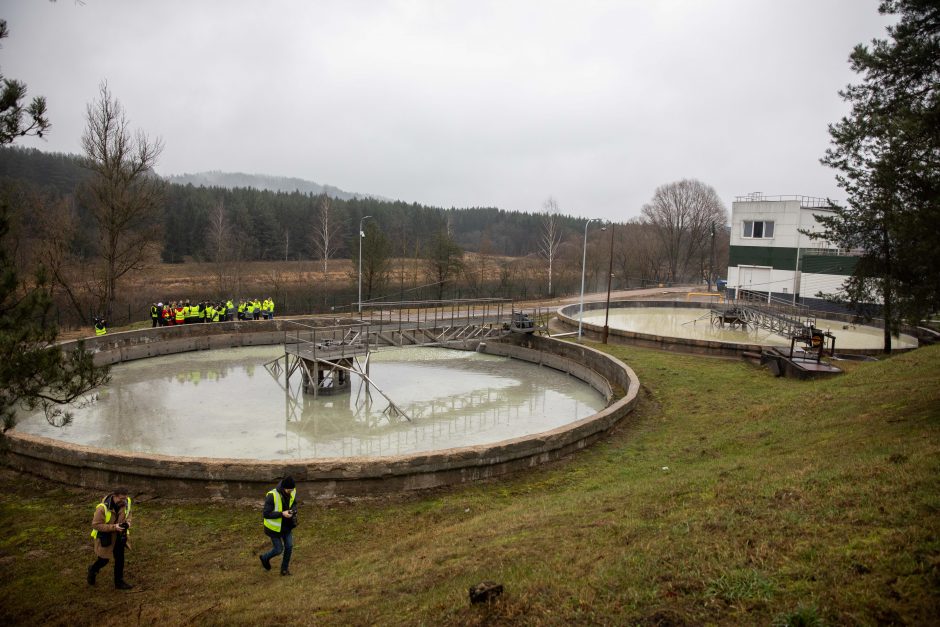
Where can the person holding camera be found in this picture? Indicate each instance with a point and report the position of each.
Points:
(109, 528)
(280, 518)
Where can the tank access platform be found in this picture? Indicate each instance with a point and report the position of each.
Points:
(793, 322)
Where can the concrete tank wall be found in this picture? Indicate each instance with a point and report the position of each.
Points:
(568, 316)
(189, 477)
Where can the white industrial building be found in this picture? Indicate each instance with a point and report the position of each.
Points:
(769, 255)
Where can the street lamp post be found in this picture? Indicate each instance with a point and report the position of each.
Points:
(362, 234)
(711, 263)
(610, 276)
(583, 266)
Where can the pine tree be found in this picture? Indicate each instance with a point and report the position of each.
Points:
(887, 151)
(34, 370)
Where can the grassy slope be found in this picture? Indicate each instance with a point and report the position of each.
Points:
(730, 497)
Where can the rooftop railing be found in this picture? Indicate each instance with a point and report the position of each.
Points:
(805, 201)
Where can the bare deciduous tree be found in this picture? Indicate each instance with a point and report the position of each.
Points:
(224, 249)
(58, 221)
(444, 261)
(682, 214)
(327, 231)
(123, 193)
(218, 234)
(376, 262)
(550, 238)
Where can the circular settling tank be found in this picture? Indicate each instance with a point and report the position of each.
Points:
(226, 404)
(694, 323)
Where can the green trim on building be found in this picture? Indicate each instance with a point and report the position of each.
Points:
(828, 264)
(778, 258)
(785, 259)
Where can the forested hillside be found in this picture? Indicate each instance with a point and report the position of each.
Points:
(268, 225)
(98, 251)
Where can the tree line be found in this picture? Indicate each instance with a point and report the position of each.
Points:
(515, 254)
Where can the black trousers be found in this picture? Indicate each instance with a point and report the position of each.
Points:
(101, 562)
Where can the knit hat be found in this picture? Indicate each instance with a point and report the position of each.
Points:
(287, 483)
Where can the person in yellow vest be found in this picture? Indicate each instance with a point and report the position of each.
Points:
(271, 308)
(179, 313)
(241, 310)
(154, 315)
(280, 518)
(229, 310)
(109, 528)
(101, 327)
(256, 309)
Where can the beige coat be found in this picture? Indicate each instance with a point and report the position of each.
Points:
(107, 528)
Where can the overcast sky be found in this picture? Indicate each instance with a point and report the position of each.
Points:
(461, 104)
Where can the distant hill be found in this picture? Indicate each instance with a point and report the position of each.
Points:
(264, 182)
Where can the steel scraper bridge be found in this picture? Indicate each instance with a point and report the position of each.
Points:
(327, 356)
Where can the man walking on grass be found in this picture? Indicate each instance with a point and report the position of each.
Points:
(109, 528)
(280, 518)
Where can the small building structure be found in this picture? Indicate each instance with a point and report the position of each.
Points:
(770, 256)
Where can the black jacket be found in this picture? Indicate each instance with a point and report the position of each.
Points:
(287, 524)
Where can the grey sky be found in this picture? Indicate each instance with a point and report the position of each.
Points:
(461, 104)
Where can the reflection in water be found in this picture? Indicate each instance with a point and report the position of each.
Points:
(223, 404)
(694, 324)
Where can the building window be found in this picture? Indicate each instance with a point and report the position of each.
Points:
(761, 229)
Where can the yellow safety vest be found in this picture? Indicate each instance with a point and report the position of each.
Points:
(102, 330)
(274, 524)
(107, 515)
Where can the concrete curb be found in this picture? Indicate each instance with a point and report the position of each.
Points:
(213, 478)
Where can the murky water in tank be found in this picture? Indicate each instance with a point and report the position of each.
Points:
(224, 403)
(695, 324)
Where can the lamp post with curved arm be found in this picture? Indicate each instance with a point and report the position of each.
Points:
(362, 234)
(583, 266)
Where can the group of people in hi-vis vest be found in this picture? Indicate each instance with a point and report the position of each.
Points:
(111, 524)
(185, 312)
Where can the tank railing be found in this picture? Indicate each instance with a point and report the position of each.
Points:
(337, 341)
(441, 320)
(436, 315)
(774, 314)
(805, 201)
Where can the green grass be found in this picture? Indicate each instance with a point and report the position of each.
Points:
(729, 497)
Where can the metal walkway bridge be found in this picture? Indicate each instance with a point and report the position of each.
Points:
(750, 309)
(328, 354)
